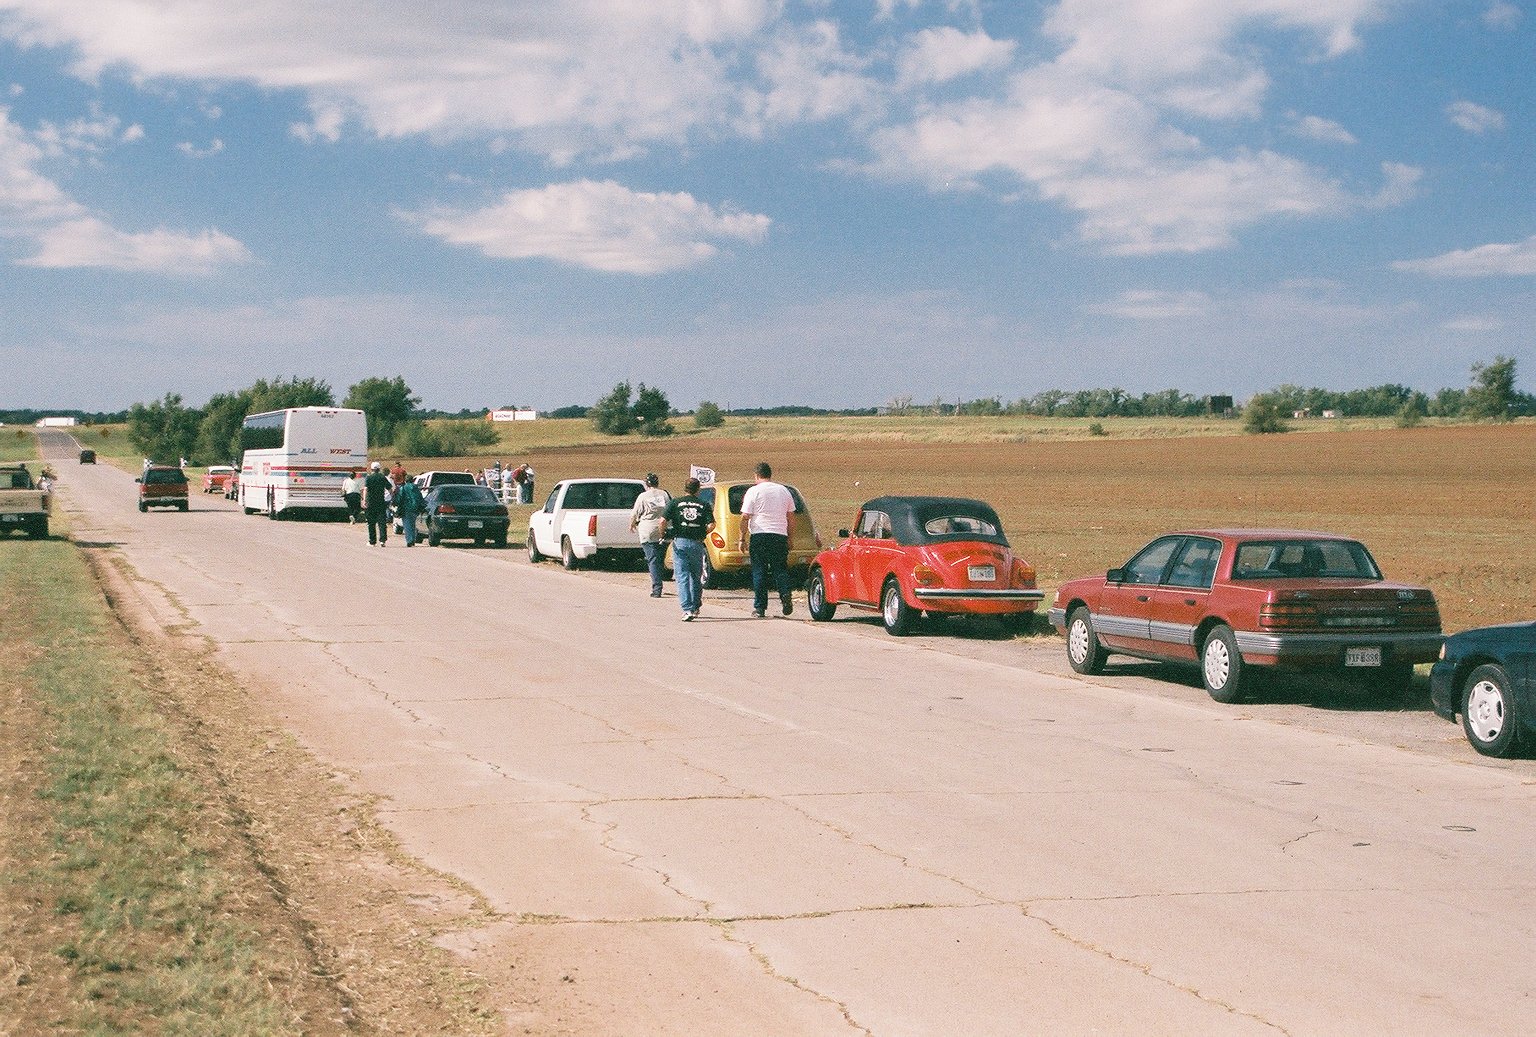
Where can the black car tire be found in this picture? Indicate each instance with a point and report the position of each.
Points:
(1392, 681)
(1084, 652)
(434, 536)
(1221, 666)
(816, 597)
(1488, 712)
(895, 613)
(184, 506)
(568, 554)
(143, 506)
(708, 578)
(500, 540)
(534, 557)
(39, 530)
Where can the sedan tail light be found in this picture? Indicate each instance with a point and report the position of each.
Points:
(446, 509)
(1282, 614)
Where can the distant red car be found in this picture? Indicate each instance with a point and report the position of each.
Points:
(1228, 599)
(216, 478)
(909, 555)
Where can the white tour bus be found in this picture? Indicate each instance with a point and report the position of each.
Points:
(295, 460)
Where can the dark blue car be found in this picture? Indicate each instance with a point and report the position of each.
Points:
(1488, 677)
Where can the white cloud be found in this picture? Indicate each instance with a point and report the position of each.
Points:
(88, 242)
(944, 54)
(1502, 16)
(1094, 130)
(1474, 118)
(1324, 131)
(562, 77)
(597, 225)
(810, 77)
(1153, 305)
(36, 210)
(1475, 324)
(191, 150)
(1517, 259)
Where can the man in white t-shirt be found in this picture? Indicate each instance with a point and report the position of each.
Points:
(766, 512)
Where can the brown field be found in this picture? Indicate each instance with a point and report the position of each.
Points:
(1450, 507)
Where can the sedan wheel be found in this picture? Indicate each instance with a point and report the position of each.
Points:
(708, 578)
(1221, 666)
(816, 597)
(1488, 712)
(894, 611)
(1083, 649)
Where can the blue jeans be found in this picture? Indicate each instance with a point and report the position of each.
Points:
(688, 571)
(408, 526)
(655, 560)
(770, 554)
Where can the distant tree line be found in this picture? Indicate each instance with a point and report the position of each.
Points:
(27, 416)
(167, 430)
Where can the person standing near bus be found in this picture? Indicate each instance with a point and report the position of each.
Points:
(409, 503)
(376, 490)
(352, 493)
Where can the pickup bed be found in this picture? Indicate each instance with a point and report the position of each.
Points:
(23, 506)
(584, 520)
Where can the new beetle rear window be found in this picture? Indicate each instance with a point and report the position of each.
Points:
(1304, 559)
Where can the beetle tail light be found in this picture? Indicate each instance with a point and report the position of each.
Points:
(1022, 575)
(924, 575)
(592, 525)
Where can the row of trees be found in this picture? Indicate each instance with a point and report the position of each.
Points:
(168, 430)
(1492, 396)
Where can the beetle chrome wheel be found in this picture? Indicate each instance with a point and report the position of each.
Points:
(1485, 710)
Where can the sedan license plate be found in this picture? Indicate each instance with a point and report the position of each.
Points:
(476, 524)
(1362, 657)
(981, 573)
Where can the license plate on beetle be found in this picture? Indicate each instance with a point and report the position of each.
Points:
(981, 573)
(476, 524)
(1362, 657)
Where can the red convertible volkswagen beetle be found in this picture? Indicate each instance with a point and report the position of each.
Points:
(1230, 599)
(910, 555)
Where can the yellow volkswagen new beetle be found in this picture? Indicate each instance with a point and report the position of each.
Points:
(721, 559)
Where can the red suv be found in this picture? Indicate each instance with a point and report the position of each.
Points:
(162, 486)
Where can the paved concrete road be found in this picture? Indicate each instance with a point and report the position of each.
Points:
(770, 826)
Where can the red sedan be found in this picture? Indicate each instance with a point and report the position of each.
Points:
(1229, 599)
(911, 555)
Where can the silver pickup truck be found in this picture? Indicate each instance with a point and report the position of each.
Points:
(23, 506)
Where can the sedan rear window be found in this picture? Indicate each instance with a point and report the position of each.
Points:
(1292, 559)
(468, 495)
(164, 476)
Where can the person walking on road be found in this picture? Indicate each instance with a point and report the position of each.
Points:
(352, 493)
(376, 489)
(766, 512)
(688, 521)
(409, 503)
(646, 519)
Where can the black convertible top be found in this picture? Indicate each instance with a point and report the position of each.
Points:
(911, 515)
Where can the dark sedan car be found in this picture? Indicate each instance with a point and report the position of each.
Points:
(1488, 676)
(465, 513)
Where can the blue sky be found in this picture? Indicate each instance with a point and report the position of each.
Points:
(762, 202)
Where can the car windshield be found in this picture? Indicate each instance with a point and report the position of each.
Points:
(1308, 559)
(165, 476)
(467, 495)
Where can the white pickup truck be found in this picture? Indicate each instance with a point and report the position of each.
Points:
(586, 519)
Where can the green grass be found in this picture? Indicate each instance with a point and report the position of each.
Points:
(125, 877)
(17, 444)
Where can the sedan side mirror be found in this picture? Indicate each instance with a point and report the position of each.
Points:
(138, 480)
(1115, 576)
(843, 533)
